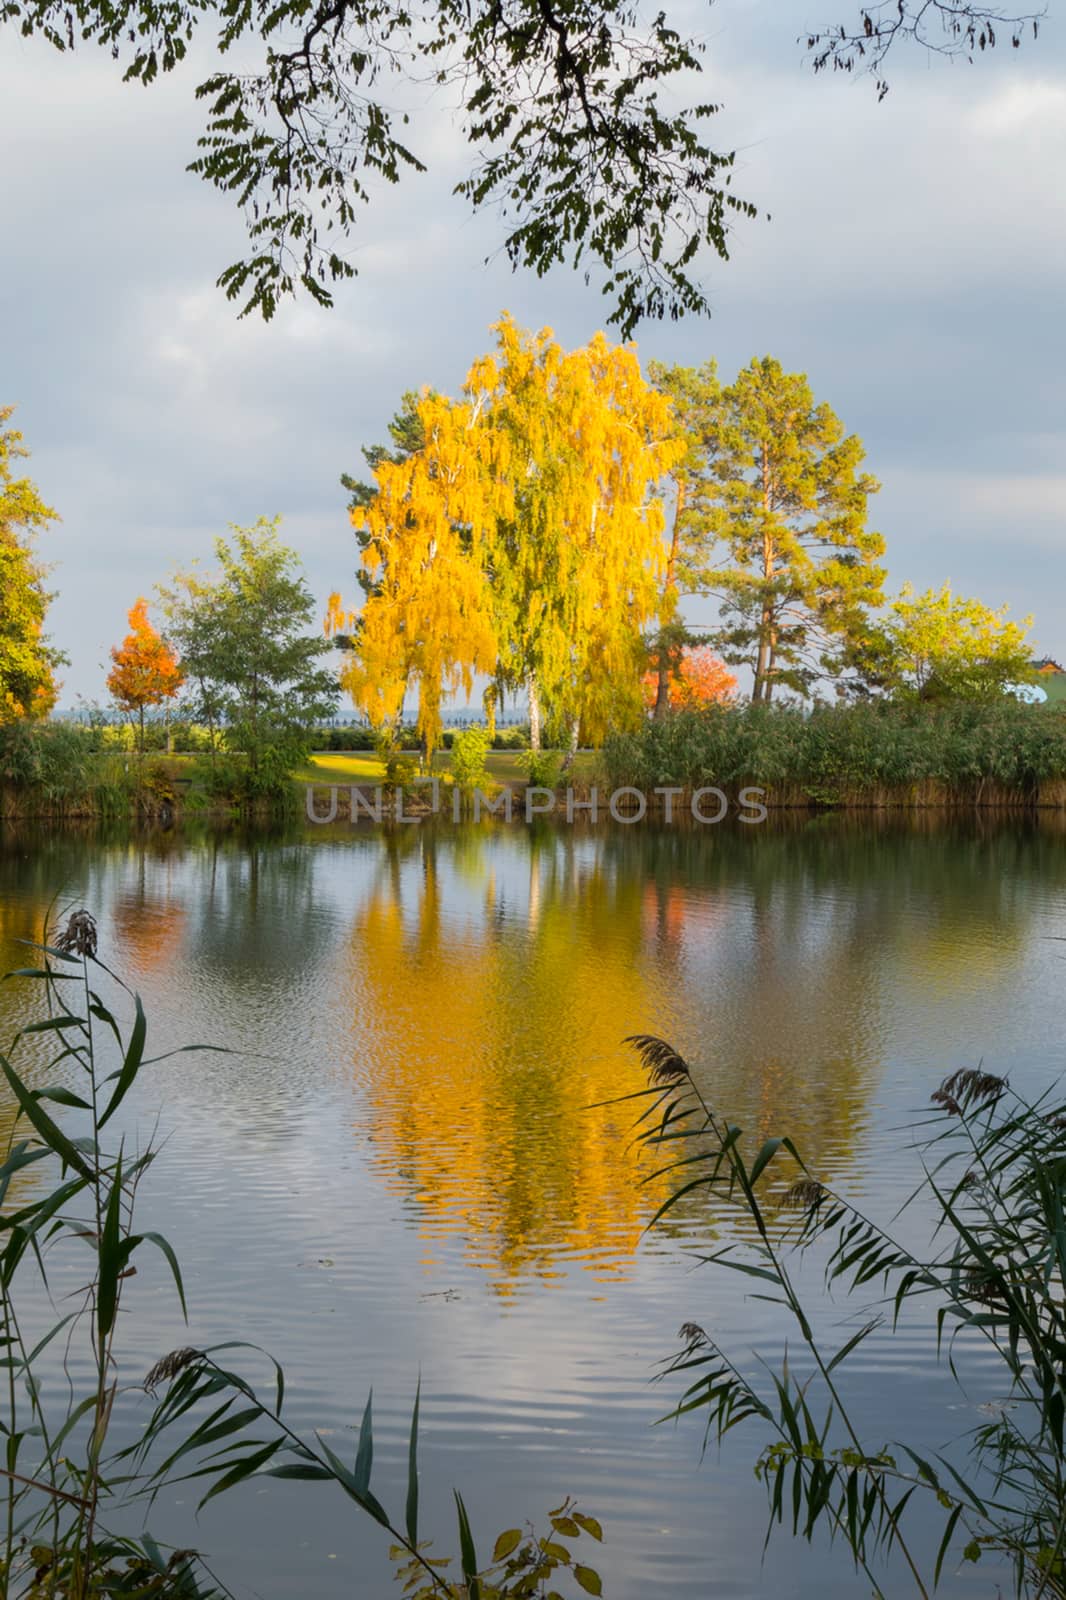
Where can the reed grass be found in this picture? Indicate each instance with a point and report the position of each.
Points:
(992, 1275)
(882, 754)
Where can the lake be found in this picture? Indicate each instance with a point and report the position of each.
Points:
(405, 1167)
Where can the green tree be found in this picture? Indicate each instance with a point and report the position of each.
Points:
(790, 507)
(27, 661)
(695, 394)
(193, 607)
(939, 646)
(263, 658)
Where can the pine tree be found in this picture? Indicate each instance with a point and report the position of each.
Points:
(790, 508)
(695, 394)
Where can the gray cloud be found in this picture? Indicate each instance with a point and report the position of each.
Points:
(912, 266)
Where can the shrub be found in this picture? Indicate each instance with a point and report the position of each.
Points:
(511, 739)
(541, 768)
(470, 749)
(49, 760)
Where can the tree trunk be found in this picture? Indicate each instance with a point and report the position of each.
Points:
(763, 682)
(141, 708)
(662, 688)
(170, 736)
(534, 711)
(571, 747)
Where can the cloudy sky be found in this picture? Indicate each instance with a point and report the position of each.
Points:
(913, 268)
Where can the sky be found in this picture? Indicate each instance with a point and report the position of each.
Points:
(911, 263)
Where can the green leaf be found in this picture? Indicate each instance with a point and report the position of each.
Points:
(165, 1247)
(467, 1553)
(856, 1339)
(763, 1159)
(245, 1468)
(132, 1063)
(412, 1472)
(52, 1024)
(111, 1258)
(589, 1524)
(364, 1456)
(589, 1580)
(348, 1484)
(63, 1097)
(52, 1135)
(299, 1469)
(509, 1540)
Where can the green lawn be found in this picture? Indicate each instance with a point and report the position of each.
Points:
(362, 767)
(357, 766)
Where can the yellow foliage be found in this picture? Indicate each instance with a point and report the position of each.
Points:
(522, 541)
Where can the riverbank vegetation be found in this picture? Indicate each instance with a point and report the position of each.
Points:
(539, 539)
(990, 1280)
(908, 754)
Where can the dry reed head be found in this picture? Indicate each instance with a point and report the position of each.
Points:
(984, 1286)
(169, 1366)
(659, 1059)
(78, 938)
(968, 1087)
(804, 1195)
(691, 1335)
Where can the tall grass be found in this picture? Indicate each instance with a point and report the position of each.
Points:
(64, 1482)
(841, 754)
(50, 761)
(992, 1275)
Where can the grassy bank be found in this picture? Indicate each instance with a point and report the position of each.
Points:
(878, 755)
(62, 779)
(884, 756)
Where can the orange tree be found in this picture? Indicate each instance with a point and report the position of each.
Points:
(145, 670)
(699, 678)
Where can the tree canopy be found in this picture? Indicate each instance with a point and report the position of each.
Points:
(563, 103)
(941, 646)
(252, 655)
(521, 540)
(27, 660)
(144, 669)
(801, 568)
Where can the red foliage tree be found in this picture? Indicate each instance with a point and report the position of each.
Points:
(700, 679)
(145, 670)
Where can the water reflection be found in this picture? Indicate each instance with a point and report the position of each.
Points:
(493, 974)
(421, 1018)
(474, 984)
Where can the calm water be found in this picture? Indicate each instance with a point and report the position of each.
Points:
(397, 1170)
